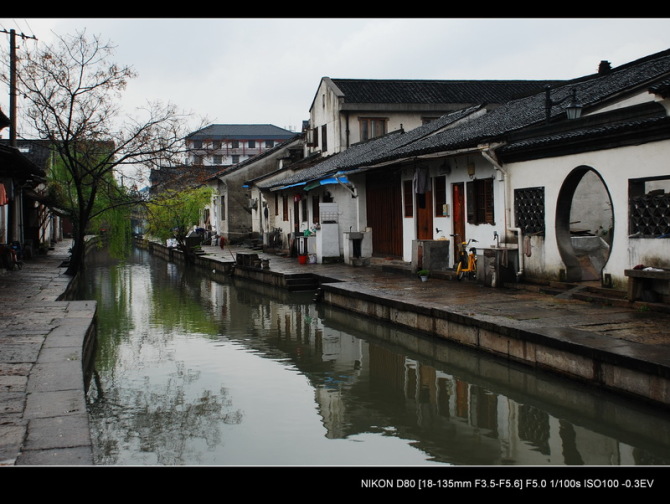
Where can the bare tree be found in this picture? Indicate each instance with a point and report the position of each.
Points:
(73, 90)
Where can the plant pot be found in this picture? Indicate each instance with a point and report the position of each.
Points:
(424, 278)
(302, 259)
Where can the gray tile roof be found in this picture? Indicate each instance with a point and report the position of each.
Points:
(437, 91)
(370, 151)
(241, 132)
(592, 91)
(588, 138)
(32, 155)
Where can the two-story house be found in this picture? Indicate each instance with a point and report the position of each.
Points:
(229, 144)
(347, 111)
(546, 195)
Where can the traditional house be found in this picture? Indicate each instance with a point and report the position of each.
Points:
(347, 111)
(337, 195)
(591, 197)
(511, 177)
(224, 145)
(238, 215)
(23, 218)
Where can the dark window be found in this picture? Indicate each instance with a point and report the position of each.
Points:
(315, 209)
(440, 195)
(236, 158)
(480, 201)
(218, 159)
(649, 207)
(285, 207)
(269, 144)
(324, 139)
(235, 144)
(197, 144)
(304, 208)
(252, 144)
(223, 208)
(408, 197)
(372, 127)
(529, 209)
(216, 144)
(276, 204)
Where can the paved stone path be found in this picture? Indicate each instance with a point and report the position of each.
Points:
(43, 417)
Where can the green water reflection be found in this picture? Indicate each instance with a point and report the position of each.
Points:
(195, 368)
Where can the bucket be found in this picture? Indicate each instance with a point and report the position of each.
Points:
(302, 259)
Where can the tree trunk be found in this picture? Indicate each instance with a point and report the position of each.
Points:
(189, 255)
(77, 253)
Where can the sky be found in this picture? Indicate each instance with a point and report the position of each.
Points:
(267, 70)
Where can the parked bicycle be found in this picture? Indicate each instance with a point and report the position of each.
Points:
(12, 255)
(467, 261)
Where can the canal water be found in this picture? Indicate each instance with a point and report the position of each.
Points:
(197, 368)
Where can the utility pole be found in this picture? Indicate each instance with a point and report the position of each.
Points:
(12, 121)
(12, 82)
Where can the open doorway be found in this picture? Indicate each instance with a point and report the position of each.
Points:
(584, 225)
(458, 224)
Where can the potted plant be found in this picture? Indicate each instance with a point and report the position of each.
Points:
(423, 274)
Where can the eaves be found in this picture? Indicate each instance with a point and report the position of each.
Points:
(605, 137)
(433, 108)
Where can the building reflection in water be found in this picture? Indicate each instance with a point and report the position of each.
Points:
(367, 378)
(465, 408)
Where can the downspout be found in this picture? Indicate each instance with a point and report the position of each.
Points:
(346, 132)
(488, 152)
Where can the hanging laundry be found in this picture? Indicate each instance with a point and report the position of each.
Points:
(421, 180)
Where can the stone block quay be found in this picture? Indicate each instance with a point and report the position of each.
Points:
(44, 345)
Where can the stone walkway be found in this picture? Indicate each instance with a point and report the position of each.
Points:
(43, 417)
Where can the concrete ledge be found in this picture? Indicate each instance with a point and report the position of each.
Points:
(624, 367)
(57, 426)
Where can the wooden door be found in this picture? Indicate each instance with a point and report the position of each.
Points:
(384, 212)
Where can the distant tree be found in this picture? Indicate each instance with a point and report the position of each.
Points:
(73, 91)
(174, 214)
(112, 207)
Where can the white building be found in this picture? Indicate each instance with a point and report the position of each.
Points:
(229, 144)
(517, 180)
(347, 111)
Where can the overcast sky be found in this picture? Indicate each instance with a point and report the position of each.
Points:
(266, 71)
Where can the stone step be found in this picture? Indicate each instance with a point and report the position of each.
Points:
(301, 282)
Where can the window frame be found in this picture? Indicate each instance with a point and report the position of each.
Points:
(368, 127)
(480, 201)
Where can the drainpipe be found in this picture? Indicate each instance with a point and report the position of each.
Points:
(488, 152)
(346, 122)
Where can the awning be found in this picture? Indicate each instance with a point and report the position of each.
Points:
(338, 179)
